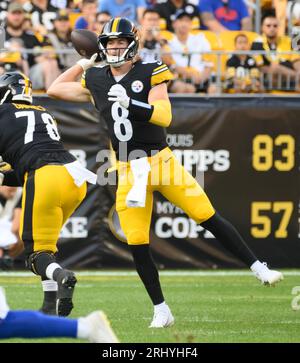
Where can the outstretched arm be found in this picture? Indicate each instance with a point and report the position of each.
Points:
(67, 88)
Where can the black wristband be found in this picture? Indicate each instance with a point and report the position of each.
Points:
(11, 179)
(141, 111)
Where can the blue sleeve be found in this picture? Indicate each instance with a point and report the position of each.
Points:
(33, 324)
(244, 10)
(103, 6)
(140, 3)
(205, 6)
(81, 23)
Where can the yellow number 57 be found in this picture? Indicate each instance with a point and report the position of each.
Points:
(265, 222)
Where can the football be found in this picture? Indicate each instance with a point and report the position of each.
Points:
(85, 42)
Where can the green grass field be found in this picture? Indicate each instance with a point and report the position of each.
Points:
(208, 306)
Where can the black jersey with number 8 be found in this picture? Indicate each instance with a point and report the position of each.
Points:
(125, 132)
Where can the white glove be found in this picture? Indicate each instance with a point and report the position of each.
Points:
(118, 93)
(88, 63)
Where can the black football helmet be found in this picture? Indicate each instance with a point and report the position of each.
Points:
(15, 87)
(119, 28)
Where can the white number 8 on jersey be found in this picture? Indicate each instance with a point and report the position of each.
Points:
(119, 115)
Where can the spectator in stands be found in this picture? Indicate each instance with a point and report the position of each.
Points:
(46, 68)
(130, 9)
(150, 39)
(14, 30)
(101, 18)
(27, 23)
(281, 8)
(221, 15)
(74, 6)
(242, 74)
(170, 7)
(10, 212)
(4, 6)
(12, 59)
(187, 63)
(42, 15)
(151, 3)
(60, 4)
(275, 64)
(43, 69)
(89, 11)
(60, 39)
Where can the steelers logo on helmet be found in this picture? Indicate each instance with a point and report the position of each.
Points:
(137, 86)
(118, 28)
(15, 87)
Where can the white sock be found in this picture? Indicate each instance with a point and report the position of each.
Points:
(49, 285)
(257, 266)
(161, 306)
(4, 309)
(51, 268)
(83, 329)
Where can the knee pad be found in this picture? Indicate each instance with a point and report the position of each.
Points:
(32, 259)
(137, 237)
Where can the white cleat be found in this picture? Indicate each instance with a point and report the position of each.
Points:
(162, 318)
(100, 329)
(267, 276)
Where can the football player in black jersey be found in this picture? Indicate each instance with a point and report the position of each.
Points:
(34, 157)
(132, 98)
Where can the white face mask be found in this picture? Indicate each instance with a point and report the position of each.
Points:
(115, 60)
(118, 60)
(3, 99)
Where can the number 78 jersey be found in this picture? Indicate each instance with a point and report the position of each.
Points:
(26, 132)
(126, 132)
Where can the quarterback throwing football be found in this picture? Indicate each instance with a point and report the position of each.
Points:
(133, 100)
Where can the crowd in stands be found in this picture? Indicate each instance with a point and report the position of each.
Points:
(187, 35)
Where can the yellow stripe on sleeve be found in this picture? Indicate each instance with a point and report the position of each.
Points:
(158, 68)
(161, 76)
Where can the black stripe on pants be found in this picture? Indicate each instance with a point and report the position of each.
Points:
(27, 235)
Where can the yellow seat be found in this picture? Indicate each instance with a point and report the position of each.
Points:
(211, 37)
(196, 23)
(162, 24)
(227, 38)
(73, 17)
(166, 35)
(214, 44)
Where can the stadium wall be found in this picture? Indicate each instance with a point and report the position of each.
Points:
(244, 151)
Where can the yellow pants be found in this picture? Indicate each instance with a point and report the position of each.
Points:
(49, 198)
(168, 177)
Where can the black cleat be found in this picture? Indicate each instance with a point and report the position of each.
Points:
(66, 282)
(49, 303)
(6, 262)
(49, 310)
